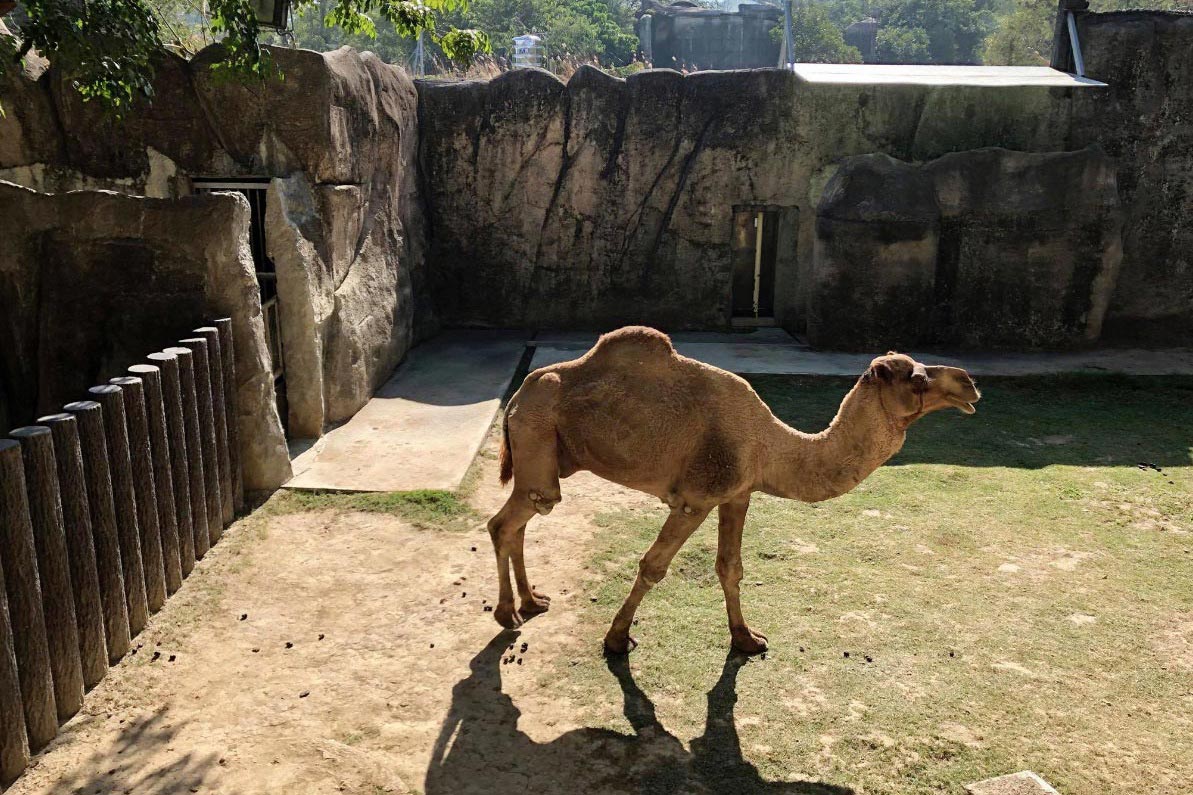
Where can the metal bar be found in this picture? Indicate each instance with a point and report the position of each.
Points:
(1078, 60)
(757, 260)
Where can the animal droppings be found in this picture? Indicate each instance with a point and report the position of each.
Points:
(244, 616)
(801, 648)
(519, 661)
(320, 636)
(173, 657)
(156, 656)
(869, 658)
(474, 549)
(256, 650)
(525, 646)
(432, 645)
(463, 594)
(592, 599)
(289, 645)
(488, 608)
(304, 694)
(951, 654)
(846, 654)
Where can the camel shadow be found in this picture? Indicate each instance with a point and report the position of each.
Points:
(481, 749)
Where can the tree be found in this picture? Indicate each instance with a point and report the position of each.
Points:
(815, 39)
(954, 30)
(107, 48)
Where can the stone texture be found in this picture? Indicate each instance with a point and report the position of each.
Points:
(1023, 783)
(877, 242)
(983, 249)
(91, 282)
(342, 124)
(1144, 120)
(603, 201)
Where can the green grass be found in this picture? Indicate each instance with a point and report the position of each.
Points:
(965, 571)
(426, 508)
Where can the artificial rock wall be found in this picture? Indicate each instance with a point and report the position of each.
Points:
(338, 138)
(603, 201)
(92, 281)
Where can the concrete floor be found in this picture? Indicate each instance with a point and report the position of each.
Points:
(424, 426)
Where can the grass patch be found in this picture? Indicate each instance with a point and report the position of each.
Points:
(1012, 591)
(426, 508)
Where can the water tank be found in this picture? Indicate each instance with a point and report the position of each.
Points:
(529, 50)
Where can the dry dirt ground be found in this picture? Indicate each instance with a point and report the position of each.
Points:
(333, 651)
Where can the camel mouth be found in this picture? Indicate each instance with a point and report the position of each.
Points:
(960, 403)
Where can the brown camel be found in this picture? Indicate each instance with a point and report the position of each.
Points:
(635, 412)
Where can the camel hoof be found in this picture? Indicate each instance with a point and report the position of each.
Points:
(747, 641)
(537, 603)
(619, 644)
(507, 617)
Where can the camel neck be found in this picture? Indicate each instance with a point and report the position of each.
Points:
(815, 467)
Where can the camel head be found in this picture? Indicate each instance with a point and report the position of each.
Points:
(909, 390)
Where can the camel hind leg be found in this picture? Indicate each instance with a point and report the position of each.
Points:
(534, 452)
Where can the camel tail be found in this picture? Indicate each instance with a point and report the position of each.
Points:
(507, 455)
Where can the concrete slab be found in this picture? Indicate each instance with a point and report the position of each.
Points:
(777, 359)
(424, 426)
(926, 75)
(1022, 783)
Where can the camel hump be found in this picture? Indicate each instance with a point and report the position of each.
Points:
(634, 340)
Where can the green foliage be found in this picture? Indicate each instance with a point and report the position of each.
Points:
(462, 46)
(815, 39)
(903, 45)
(954, 30)
(1023, 36)
(575, 29)
(105, 48)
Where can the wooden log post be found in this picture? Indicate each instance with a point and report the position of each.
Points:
(53, 566)
(215, 362)
(211, 466)
(163, 478)
(141, 456)
(109, 396)
(76, 519)
(18, 555)
(104, 533)
(14, 745)
(194, 450)
(179, 465)
(228, 353)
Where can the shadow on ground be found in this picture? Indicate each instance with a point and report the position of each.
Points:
(480, 748)
(1027, 422)
(122, 768)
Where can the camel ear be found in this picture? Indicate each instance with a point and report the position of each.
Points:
(881, 371)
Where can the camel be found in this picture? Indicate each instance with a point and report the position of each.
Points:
(635, 412)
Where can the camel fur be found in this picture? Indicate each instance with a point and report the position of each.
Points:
(635, 412)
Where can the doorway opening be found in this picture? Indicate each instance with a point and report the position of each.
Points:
(755, 248)
(255, 190)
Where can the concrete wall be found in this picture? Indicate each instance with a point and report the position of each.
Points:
(1145, 122)
(605, 201)
(339, 136)
(703, 38)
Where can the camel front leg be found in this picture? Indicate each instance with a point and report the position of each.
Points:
(651, 569)
(533, 602)
(729, 570)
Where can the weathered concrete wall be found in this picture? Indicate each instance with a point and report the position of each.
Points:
(604, 201)
(344, 124)
(1145, 122)
(983, 249)
(692, 37)
(91, 282)
(609, 201)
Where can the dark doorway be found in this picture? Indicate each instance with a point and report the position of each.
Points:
(255, 189)
(755, 249)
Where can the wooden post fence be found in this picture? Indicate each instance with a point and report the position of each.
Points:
(101, 502)
(104, 510)
(111, 399)
(53, 566)
(19, 558)
(76, 518)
